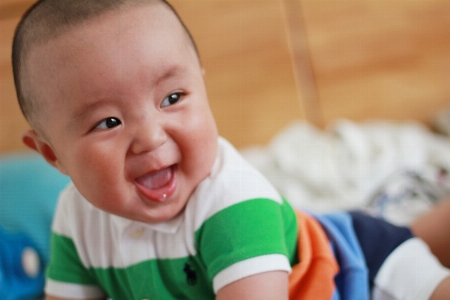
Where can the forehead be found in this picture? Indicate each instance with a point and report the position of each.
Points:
(111, 43)
(123, 25)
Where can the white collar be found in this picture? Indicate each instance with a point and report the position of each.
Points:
(170, 227)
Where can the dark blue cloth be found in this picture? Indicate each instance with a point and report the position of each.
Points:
(377, 239)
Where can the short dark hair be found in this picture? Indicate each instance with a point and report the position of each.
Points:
(48, 19)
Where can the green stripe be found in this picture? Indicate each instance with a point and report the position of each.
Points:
(291, 231)
(151, 279)
(156, 279)
(65, 264)
(245, 230)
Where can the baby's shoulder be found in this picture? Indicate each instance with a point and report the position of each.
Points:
(235, 177)
(72, 203)
(74, 214)
(233, 181)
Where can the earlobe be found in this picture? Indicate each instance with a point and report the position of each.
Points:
(34, 141)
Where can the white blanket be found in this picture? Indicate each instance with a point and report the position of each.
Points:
(355, 165)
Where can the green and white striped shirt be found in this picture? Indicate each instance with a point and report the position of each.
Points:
(235, 225)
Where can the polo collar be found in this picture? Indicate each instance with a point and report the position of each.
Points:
(168, 227)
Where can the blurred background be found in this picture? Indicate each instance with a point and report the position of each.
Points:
(269, 62)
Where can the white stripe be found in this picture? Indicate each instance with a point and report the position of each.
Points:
(59, 289)
(252, 266)
(411, 271)
(61, 225)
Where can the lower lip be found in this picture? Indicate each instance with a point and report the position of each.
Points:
(161, 194)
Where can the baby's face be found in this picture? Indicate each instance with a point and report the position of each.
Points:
(126, 112)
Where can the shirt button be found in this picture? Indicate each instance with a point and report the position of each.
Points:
(137, 233)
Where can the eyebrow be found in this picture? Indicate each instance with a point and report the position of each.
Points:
(170, 72)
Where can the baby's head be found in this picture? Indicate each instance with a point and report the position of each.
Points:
(115, 95)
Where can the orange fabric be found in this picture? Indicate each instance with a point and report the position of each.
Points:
(313, 276)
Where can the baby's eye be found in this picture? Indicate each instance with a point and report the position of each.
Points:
(108, 123)
(171, 99)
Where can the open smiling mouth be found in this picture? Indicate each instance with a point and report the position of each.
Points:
(159, 185)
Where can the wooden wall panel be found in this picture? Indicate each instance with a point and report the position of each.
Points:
(12, 123)
(379, 59)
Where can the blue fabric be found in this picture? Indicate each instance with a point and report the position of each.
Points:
(15, 282)
(352, 280)
(29, 188)
(377, 239)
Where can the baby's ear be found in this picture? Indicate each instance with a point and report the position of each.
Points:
(34, 141)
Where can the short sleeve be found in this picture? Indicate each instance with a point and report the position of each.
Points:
(247, 238)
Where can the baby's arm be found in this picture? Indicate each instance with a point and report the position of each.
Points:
(442, 292)
(263, 286)
(434, 228)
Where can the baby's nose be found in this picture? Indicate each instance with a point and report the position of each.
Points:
(148, 137)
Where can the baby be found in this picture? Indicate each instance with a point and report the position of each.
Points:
(159, 206)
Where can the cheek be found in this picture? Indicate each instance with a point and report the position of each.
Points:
(202, 147)
(96, 161)
(94, 170)
(203, 127)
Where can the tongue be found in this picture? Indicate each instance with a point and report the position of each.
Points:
(156, 179)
